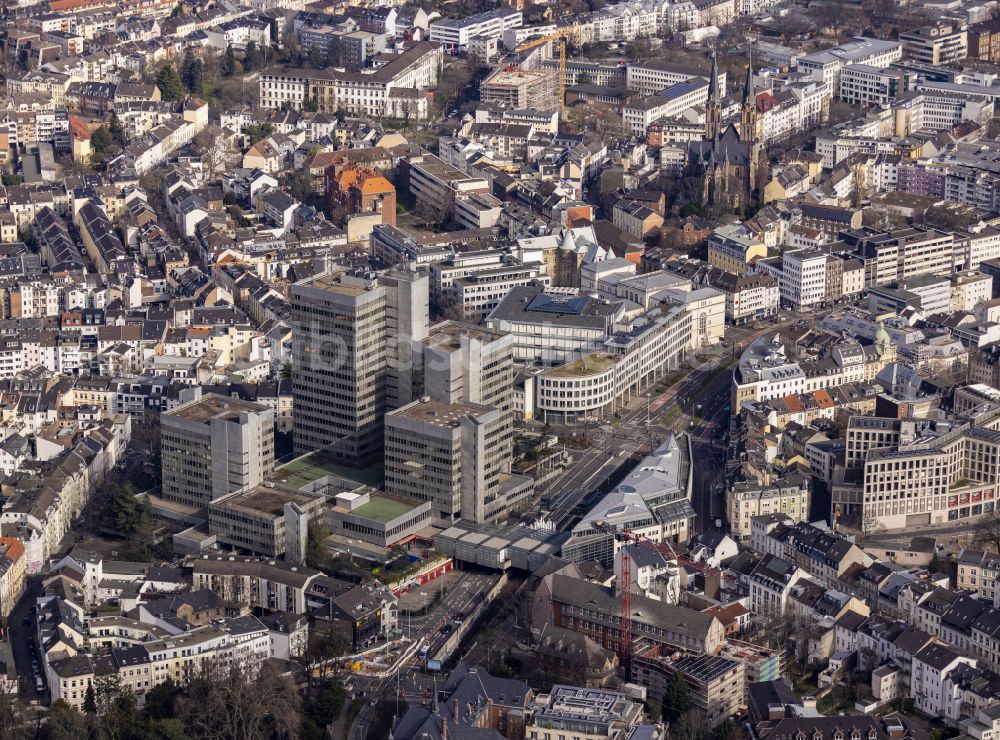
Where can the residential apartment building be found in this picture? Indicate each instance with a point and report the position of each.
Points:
(733, 248)
(254, 582)
(748, 297)
(984, 40)
(790, 496)
(213, 446)
(13, 569)
(977, 572)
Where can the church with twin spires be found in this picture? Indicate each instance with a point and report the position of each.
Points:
(731, 163)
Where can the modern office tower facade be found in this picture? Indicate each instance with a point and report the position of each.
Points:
(468, 363)
(455, 455)
(344, 374)
(407, 304)
(213, 446)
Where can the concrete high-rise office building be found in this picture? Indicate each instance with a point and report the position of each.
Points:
(407, 314)
(455, 455)
(213, 446)
(353, 340)
(468, 363)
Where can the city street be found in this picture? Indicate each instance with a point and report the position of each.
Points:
(703, 394)
(463, 592)
(20, 636)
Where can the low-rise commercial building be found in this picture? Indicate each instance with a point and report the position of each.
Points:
(380, 520)
(266, 520)
(457, 32)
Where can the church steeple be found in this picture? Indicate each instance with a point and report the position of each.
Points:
(748, 113)
(748, 95)
(713, 109)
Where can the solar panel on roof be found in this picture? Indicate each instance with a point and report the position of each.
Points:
(546, 303)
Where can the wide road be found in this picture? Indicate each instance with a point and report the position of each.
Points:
(704, 392)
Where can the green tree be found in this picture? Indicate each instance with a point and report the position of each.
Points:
(328, 704)
(316, 555)
(161, 699)
(169, 82)
(122, 513)
(117, 130)
(101, 141)
(229, 67)
(116, 707)
(145, 526)
(253, 58)
(193, 73)
(315, 57)
(726, 731)
(169, 728)
(187, 66)
(64, 723)
(934, 566)
(676, 699)
(256, 132)
(89, 703)
(273, 24)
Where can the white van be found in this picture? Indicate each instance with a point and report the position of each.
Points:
(424, 652)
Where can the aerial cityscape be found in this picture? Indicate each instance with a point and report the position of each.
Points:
(498, 369)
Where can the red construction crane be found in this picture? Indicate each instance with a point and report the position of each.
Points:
(625, 614)
(625, 585)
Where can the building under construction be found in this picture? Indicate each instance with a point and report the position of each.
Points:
(513, 87)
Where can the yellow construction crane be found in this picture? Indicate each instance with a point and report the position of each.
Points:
(561, 36)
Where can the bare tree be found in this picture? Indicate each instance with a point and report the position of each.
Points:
(987, 531)
(232, 700)
(689, 726)
(831, 15)
(859, 183)
(871, 525)
(793, 24)
(10, 718)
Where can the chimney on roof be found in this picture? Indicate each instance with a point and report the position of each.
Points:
(444, 728)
